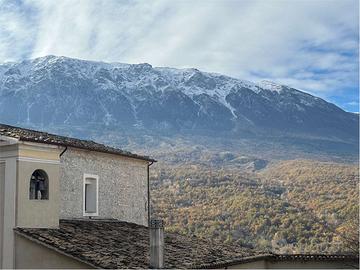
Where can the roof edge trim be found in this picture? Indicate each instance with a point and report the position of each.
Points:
(55, 249)
(134, 156)
(8, 140)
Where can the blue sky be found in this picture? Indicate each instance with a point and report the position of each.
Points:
(311, 45)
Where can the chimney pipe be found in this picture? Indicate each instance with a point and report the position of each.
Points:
(156, 244)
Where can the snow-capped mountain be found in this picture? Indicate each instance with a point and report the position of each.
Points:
(58, 91)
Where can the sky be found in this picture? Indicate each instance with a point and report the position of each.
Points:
(311, 45)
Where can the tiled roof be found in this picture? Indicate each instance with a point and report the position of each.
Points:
(117, 244)
(44, 137)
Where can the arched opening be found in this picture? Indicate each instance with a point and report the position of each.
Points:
(39, 186)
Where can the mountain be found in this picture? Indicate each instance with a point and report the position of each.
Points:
(58, 92)
(220, 141)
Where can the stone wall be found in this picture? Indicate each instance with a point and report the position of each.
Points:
(122, 185)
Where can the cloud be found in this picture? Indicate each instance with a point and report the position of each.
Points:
(311, 45)
(16, 30)
(353, 103)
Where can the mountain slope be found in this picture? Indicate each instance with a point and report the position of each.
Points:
(291, 207)
(55, 91)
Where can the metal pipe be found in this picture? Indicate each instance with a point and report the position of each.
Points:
(156, 232)
(63, 151)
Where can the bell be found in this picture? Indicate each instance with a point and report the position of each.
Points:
(41, 185)
(39, 195)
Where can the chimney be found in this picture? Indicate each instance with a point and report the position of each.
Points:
(156, 244)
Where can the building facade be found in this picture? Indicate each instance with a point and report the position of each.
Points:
(45, 178)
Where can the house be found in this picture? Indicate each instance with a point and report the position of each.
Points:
(70, 203)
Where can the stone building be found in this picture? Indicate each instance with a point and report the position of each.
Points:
(70, 203)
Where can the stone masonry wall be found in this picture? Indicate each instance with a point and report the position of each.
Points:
(122, 185)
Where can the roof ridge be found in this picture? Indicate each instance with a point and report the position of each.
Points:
(47, 133)
(107, 220)
(25, 134)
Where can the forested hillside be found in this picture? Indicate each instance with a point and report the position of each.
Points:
(293, 206)
(218, 140)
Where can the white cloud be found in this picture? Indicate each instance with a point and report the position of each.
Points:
(307, 44)
(353, 103)
(16, 31)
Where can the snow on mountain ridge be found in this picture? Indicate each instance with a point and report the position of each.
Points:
(269, 85)
(130, 77)
(91, 67)
(57, 91)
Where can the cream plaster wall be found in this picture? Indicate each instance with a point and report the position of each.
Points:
(21, 159)
(30, 255)
(8, 153)
(37, 213)
(122, 195)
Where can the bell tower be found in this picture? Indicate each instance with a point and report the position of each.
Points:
(29, 190)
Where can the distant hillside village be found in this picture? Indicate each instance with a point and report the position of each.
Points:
(70, 203)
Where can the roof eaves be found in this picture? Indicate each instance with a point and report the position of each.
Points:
(19, 232)
(130, 155)
(233, 262)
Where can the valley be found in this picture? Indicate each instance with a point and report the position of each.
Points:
(263, 165)
(291, 207)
